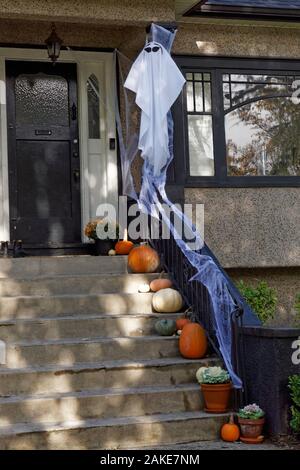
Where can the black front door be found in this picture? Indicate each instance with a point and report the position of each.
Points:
(43, 154)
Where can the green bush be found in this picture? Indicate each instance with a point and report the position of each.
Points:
(262, 299)
(297, 308)
(294, 386)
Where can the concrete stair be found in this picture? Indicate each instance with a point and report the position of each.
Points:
(85, 368)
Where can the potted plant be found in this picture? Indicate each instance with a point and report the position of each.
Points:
(251, 419)
(273, 345)
(104, 232)
(216, 388)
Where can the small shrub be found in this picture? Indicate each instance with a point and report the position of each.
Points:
(294, 386)
(297, 308)
(262, 299)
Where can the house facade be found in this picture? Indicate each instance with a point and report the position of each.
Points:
(236, 127)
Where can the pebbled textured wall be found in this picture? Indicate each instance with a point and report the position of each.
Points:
(251, 227)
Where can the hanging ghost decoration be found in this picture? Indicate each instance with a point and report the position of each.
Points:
(157, 82)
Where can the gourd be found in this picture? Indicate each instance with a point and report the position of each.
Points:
(123, 247)
(165, 327)
(111, 253)
(230, 431)
(158, 284)
(167, 300)
(192, 341)
(143, 259)
(144, 288)
(181, 322)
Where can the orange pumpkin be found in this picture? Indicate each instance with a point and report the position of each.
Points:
(123, 247)
(192, 341)
(181, 322)
(230, 432)
(143, 259)
(158, 284)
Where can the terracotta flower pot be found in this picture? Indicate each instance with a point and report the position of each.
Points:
(251, 427)
(216, 397)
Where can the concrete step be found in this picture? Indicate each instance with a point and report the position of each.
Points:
(113, 433)
(79, 284)
(87, 326)
(70, 351)
(37, 306)
(103, 403)
(106, 374)
(61, 265)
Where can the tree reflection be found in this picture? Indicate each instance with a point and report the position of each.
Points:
(263, 129)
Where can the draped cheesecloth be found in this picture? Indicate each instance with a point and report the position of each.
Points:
(157, 82)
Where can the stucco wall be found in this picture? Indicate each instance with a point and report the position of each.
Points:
(238, 40)
(79, 35)
(90, 11)
(251, 227)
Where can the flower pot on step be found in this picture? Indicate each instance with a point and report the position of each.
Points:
(102, 247)
(216, 397)
(251, 428)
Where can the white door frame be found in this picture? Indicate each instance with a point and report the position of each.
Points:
(91, 194)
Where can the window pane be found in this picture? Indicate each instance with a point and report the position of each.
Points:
(198, 76)
(189, 76)
(206, 77)
(93, 107)
(201, 145)
(199, 96)
(262, 138)
(207, 97)
(226, 95)
(42, 100)
(190, 96)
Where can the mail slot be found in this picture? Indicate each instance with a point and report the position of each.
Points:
(42, 132)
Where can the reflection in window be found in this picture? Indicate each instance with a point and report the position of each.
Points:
(262, 125)
(92, 86)
(198, 93)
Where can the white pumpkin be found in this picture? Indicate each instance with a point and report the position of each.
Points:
(111, 253)
(144, 288)
(167, 300)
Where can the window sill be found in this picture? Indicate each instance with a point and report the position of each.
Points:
(243, 182)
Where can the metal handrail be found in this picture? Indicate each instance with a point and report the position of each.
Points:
(197, 299)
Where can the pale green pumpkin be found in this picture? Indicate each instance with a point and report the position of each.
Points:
(165, 327)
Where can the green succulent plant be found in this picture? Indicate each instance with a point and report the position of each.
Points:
(212, 375)
(252, 411)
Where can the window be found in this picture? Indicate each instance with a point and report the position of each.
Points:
(262, 125)
(93, 107)
(198, 90)
(42, 98)
(241, 122)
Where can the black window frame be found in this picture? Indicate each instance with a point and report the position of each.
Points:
(217, 66)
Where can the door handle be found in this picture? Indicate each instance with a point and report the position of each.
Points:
(76, 175)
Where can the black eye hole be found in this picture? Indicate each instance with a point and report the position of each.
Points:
(152, 49)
